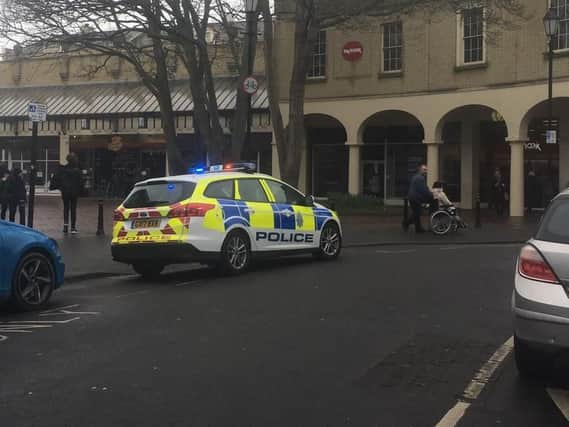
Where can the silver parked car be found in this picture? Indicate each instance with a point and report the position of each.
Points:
(540, 302)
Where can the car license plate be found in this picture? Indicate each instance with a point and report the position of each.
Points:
(146, 223)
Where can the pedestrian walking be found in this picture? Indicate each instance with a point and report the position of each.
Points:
(419, 194)
(69, 181)
(4, 174)
(16, 194)
(533, 191)
(498, 193)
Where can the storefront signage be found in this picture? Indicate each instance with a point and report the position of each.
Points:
(532, 146)
(551, 137)
(116, 144)
(353, 51)
(37, 112)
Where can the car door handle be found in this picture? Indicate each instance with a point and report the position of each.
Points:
(287, 212)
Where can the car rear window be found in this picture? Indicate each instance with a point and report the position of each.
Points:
(555, 224)
(159, 193)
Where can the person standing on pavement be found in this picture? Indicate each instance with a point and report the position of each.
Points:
(499, 192)
(3, 192)
(16, 195)
(419, 194)
(69, 181)
(533, 191)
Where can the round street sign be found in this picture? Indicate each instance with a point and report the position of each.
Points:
(250, 85)
(353, 51)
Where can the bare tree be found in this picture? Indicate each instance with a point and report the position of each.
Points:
(309, 16)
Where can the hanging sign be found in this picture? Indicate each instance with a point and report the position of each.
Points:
(353, 51)
(116, 144)
(250, 85)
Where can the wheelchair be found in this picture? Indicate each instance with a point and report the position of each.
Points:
(445, 220)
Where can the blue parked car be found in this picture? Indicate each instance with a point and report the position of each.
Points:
(31, 267)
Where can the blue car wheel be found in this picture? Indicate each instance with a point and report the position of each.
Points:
(34, 281)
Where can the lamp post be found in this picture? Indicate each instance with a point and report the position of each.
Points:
(551, 25)
(250, 10)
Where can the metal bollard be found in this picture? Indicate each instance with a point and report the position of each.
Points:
(405, 209)
(477, 221)
(100, 219)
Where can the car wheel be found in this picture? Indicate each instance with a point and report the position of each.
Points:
(330, 242)
(33, 281)
(530, 362)
(148, 270)
(236, 253)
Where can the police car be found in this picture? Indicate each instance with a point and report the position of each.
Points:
(224, 216)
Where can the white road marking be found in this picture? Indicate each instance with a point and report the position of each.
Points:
(195, 282)
(49, 322)
(475, 387)
(67, 307)
(561, 400)
(132, 294)
(408, 251)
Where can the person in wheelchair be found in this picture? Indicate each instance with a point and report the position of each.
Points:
(443, 203)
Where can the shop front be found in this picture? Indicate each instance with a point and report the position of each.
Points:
(15, 152)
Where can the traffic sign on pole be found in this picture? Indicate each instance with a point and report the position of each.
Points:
(250, 85)
(37, 112)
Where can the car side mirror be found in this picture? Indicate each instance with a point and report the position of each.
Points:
(309, 201)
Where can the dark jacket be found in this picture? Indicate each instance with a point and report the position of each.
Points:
(419, 192)
(69, 181)
(3, 189)
(15, 188)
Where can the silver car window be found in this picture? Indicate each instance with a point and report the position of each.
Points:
(555, 224)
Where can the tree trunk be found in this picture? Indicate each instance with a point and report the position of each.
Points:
(240, 117)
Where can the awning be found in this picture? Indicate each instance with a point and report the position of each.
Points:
(116, 98)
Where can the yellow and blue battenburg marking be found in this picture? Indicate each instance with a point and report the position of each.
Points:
(235, 213)
(282, 221)
(321, 215)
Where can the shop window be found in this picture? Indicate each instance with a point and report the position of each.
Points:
(471, 32)
(392, 47)
(561, 7)
(318, 61)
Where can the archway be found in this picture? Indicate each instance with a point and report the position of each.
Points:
(474, 146)
(547, 162)
(327, 155)
(392, 149)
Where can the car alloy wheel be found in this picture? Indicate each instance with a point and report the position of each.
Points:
(34, 281)
(236, 252)
(330, 242)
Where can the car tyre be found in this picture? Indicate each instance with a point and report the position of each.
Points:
(330, 242)
(235, 253)
(530, 362)
(33, 282)
(148, 270)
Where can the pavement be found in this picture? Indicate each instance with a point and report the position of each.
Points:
(385, 336)
(88, 255)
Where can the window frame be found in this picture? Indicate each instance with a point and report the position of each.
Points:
(460, 40)
(319, 54)
(237, 192)
(566, 20)
(384, 48)
(85, 124)
(273, 201)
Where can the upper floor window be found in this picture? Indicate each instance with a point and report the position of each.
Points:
(561, 7)
(473, 35)
(318, 60)
(85, 124)
(392, 46)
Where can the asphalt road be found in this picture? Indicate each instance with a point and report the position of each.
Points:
(383, 337)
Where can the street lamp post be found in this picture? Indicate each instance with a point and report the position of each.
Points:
(250, 10)
(551, 25)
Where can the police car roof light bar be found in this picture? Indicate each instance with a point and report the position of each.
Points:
(247, 167)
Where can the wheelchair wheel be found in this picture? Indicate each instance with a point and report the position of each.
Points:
(441, 223)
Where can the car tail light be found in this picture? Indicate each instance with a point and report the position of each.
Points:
(532, 265)
(118, 216)
(191, 210)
